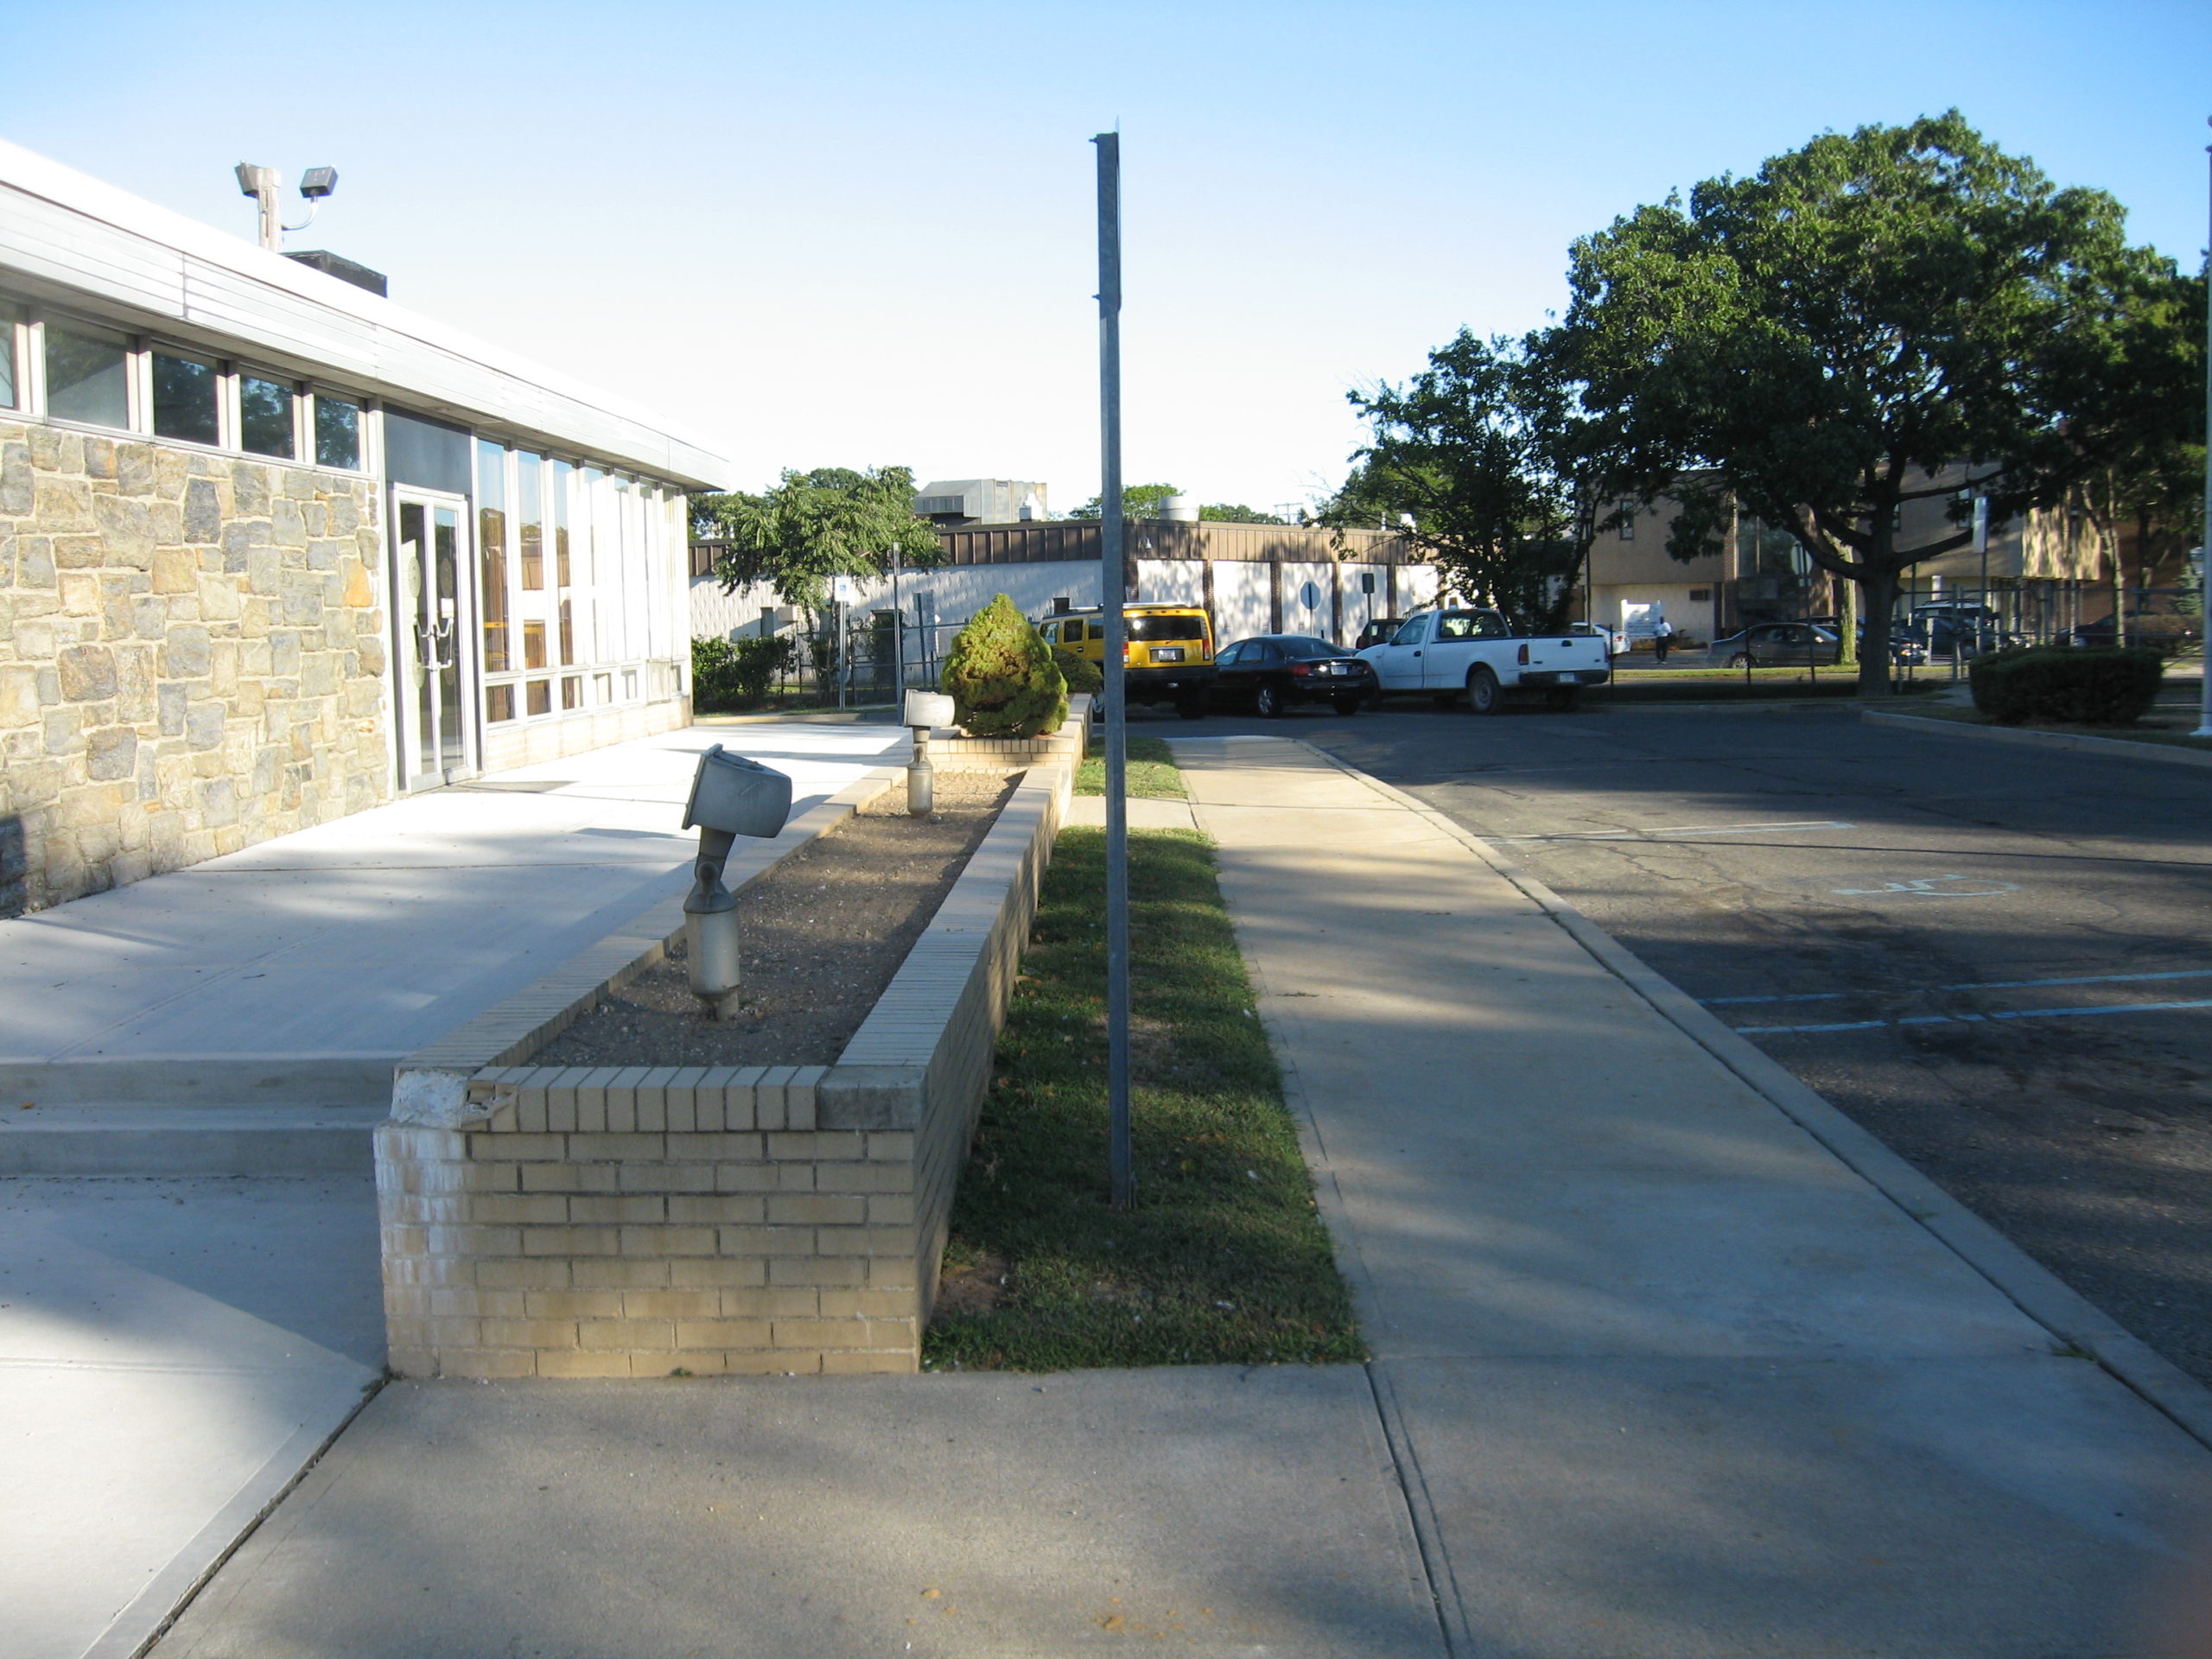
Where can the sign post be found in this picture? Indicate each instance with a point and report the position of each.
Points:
(1120, 1171)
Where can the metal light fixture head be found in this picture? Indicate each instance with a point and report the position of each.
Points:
(928, 708)
(318, 181)
(253, 181)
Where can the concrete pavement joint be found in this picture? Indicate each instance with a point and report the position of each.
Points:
(163, 1602)
(2076, 1322)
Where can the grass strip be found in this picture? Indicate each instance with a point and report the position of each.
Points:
(1153, 772)
(2177, 736)
(1223, 1260)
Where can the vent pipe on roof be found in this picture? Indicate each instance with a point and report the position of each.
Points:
(1179, 509)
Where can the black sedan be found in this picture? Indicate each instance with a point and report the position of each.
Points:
(1277, 671)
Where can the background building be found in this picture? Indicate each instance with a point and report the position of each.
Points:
(273, 548)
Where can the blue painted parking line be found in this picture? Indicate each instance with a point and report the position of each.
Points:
(1975, 1019)
(1971, 985)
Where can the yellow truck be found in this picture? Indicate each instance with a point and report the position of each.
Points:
(1166, 651)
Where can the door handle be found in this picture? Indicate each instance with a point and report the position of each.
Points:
(1416, 653)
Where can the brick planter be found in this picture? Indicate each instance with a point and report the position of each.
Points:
(636, 1221)
(954, 751)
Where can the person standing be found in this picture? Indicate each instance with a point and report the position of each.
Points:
(1662, 632)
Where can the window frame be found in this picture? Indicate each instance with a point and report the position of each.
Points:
(135, 414)
(153, 345)
(241, 372)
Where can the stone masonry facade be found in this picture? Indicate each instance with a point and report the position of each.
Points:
(192, 657)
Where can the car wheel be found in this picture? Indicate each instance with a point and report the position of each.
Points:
(1347, 705)
(1484, 694)
(1739, 660)
(1267, 703)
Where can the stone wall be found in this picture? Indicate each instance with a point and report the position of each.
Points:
(192, 657)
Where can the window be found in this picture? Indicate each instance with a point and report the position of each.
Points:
(530, 523)
(492, 560)
(533, 644)
(562, 472)
(1166, 627)
(337, 432)
(541, 696)
(1415, 631)
(188, 399)
(10, 397)
(1628, 521)
(266, 426)
(1230, 658)
(498, 704)
(87, 378)
(568, 636)
(572, 692)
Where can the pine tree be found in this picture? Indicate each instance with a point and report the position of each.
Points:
(1001, 675)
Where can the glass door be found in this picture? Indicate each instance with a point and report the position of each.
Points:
(432, 628)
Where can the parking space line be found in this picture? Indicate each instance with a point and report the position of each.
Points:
(1673, 829)
(1975, 1019)
(1970, 985)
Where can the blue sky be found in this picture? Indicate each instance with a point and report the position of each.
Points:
(853, 234)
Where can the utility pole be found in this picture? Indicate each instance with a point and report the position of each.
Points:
(1121, 1172)
(2204, 551)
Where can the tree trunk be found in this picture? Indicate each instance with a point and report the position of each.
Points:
(1879, 590)
(1846, 622)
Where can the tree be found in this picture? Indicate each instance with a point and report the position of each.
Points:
(1833, 336)
(813, 527)
(1001, 677)
(1232, 512)
(1505, 484)
(1138, 501)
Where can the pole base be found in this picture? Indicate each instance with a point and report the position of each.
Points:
(724, 1005)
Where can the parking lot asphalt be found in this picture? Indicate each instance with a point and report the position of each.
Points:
(1999, 961)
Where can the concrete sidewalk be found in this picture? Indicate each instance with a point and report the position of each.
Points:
(1657, 1374)
(272, 989)
(174, 1351)
(1667, 1376)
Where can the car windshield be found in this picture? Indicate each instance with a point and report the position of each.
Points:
(1166, 627)
(1303, 647)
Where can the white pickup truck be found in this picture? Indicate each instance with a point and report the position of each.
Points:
(1443, 653)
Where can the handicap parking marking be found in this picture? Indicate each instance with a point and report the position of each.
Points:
(1933, 887)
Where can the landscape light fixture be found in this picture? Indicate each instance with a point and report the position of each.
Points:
(925, 709)
(731, 796)
(266, 184)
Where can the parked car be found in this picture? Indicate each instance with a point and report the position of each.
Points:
(1375, 633)
(1447, 654)
(1616, 641)
(1777, 644)
(1167, 651)
(1273, 673)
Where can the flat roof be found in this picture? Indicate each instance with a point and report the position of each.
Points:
(70, 239)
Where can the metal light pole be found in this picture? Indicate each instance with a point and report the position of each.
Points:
(2204, 552)
(1121, 1172)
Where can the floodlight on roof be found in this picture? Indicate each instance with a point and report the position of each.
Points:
(317, 182)
(252, 180)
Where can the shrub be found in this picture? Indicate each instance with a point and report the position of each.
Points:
(730, 674)
(1080, 672)
(1001, 675)
(2101, 687)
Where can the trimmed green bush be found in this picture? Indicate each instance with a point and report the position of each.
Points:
(732, 674)
(1001, 675)
(2093, 687)
(1080, 672)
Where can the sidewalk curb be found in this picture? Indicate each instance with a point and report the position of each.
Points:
(2112, 748)
(2078, 1326)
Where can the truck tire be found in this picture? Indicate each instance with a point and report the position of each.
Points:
(1484, 694)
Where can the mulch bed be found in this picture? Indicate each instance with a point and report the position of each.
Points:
(820, 935)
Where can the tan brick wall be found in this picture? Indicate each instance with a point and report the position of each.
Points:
(634, 1221)
(192, 657)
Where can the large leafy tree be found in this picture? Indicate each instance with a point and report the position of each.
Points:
(813, 527)
(1138, 501)
(1835, 335)
(1492, 469)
